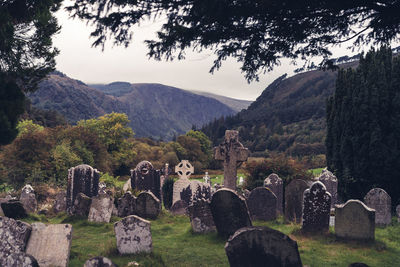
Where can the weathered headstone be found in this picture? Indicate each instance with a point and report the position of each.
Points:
(262, 246)
(13, 209)
(229, 212)
(381, 202)
(316, 208)
(148, 206)
(262, 204)
(232, 152)
(99, 262)
(275, 183)
(207, 178)
(199, 191)
(101, 208)
(60, 204)
(126, 205)
(294, 200)
(200, 217)
(145, 178)
(21, 259)
(184, 169)
(331, 183)
(81, 205)
(14, 236)
(50, 244)
(81, 179)
(28, 199)
(133, 235)
(398, 213)
(354, 220)
(179, 208)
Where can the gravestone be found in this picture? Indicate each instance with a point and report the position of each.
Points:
(81, 179)
(145, 178)
(28, 199)
(13, 209)
(316, 208)
(262, 204)
(50, 244)
(398, 212)
(354, 220)
(331, 183)
(184, 169)
(381, 202)
(99, 262)
(275, 183)
(126, 205)
(200, 217)
(147, 205)
(101, 208)
(14, 236)
(21, 259)
(262, 246)
(164, 174)
(294, 200)
(179, 208)
(81, 205)
(60, 204)
(232, 152)
(133, 235)
(229, 212)
(199, 190)
(207, 178)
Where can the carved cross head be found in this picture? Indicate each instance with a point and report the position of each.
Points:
(184, 169)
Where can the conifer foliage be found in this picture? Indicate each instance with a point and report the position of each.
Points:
(363, 121)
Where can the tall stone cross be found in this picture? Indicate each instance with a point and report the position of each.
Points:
(231, 151)
(184, 169)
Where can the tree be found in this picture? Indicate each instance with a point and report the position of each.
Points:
(257, 33)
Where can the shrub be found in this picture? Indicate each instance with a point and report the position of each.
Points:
(167, 191)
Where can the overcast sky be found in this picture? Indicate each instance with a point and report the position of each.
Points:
(80, 61)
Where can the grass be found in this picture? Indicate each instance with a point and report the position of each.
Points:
(316, 172)
(174, 244)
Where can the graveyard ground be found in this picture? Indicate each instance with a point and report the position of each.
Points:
(175, 245)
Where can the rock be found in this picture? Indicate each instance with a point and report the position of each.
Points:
(354, 220)
(229, 212)
(275, 184)
(101, 208)
(14, 236)
(148, 206)
(200, 217)
(331, 183)
(99, 262)
(179, 208)
(126, 205)
(81, 205)
(294, 200)
(381, 202)
(262, 204)
(60, 204)
(133, 235)
(261, 246)
(21, 259)
(316, 208)
(28, 199)
(81, 179)
(145, 178)
(13, 209)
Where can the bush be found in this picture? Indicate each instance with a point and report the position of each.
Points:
(167, 191)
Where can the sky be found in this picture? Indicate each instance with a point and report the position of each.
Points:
(79, 60)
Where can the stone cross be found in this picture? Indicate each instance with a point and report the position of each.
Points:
(232, 152)
(184, 169)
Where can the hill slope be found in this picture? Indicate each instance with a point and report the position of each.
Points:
(235, 104)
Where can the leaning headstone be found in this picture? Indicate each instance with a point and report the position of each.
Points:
(294, 200)
(262, 204)
(145, 178)
(200, 217)
(179, 208)
(331, 183)
(13, 209)
(101, 208)
(28, 198)
(229, 212)
(232, 152)
(99, 262)
(275, 183)
(133, 235)
(381, 202)
(398, 213)
(81, 179)
(60, 204)
(81, 205)
(148, 206)
(21, 259)
(14, 236)
(50, 244)
(262, 246)
(316, 208)
(354, 220)
(184, 169)
(127, 205)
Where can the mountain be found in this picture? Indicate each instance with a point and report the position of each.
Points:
(235, 104)
(154, 110)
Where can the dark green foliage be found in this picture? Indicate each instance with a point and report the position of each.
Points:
(46, 118)
(363, 126)
(167, 191)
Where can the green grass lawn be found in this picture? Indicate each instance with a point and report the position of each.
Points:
(174, 244)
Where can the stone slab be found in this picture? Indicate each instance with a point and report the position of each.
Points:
(101, 208)
(381, 202)
(262, 204)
